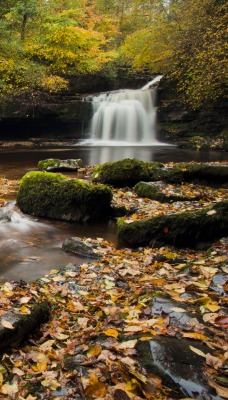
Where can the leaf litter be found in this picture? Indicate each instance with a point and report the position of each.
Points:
(102, 309)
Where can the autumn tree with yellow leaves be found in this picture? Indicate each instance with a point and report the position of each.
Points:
(45, 42)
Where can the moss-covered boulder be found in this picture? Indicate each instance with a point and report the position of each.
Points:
(126, 172)
(129, 171)
(184, 229)
(46, 194)
(163, 192)
(204, 172)
(54, 164)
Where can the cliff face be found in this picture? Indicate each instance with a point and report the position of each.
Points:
(39, 114)
(202, 129)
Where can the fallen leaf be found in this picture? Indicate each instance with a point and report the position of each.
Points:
(133, 328)
(195, 335)
(94, 351)
(197, 351)
(129, 344)
(7, 324)
(222, 320)
(111, 332)
(211, 212)
(11, 390)
(177, 309)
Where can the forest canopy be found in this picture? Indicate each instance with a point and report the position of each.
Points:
(43, 43)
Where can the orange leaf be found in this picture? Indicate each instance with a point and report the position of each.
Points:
(166, 229)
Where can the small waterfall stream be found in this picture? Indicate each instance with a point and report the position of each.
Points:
(126, 116)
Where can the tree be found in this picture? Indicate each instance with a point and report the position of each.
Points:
(184, 40)
(45, 41)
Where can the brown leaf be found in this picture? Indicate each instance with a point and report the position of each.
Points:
(222, 320)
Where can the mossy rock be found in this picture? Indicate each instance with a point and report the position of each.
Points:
(184, 229)
(46, 194)
(130, 171)
(204, 172)
(23, 325)
(126, 172)
(54, 164)
(158, 191)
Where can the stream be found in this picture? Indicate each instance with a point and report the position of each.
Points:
(30, 248)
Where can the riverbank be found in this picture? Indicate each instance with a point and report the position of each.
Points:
(103, 311)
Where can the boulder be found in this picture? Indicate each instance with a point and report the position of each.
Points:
(130, 171)
(180, 368)
(54, 164)
(185, 229)
(126, 172)
(46, 194)
(83, 247)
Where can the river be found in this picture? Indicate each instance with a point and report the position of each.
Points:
(30, 248)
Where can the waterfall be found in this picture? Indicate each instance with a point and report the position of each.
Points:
(125, 116)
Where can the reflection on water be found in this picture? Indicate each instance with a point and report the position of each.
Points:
(15, 163)
(30, 248)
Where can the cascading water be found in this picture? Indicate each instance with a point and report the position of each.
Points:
(125, 116)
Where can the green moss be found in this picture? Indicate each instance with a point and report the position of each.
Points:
(43, 165)
(184, 229)
(55, 196)
(126, 172)
(145, 190)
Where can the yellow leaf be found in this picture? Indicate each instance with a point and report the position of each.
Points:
(111, 332)
(25, 310)
(7, 324)
(212, 307)
(54, 271)
(195, 335)
(94, 351)
(53, 384)
(95, 389)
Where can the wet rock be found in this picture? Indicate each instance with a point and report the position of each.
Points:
(21, 325)
(54, 164)
(179, 316)
(83, 247)
(179, 367)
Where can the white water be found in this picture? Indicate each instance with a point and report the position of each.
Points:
(125, 117)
